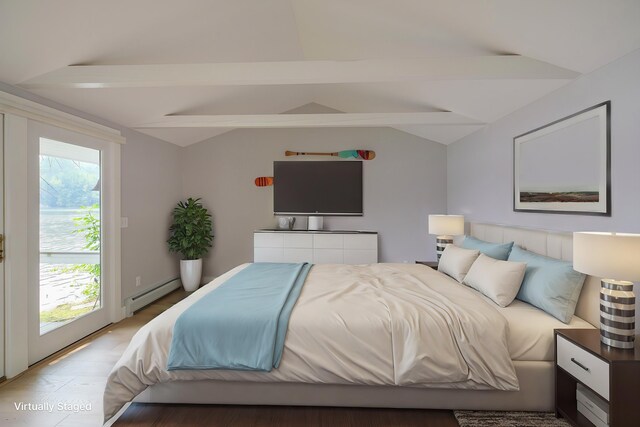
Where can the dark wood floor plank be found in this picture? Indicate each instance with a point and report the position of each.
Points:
(169, 415)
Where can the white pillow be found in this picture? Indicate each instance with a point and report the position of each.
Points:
(499, 280)
(456, 261)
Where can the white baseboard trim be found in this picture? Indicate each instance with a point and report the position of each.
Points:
(136, 302)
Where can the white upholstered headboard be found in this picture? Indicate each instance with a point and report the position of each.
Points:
(552, 244)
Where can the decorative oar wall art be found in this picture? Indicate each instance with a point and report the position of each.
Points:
(346, 154)
(264, 181)
(267, 181)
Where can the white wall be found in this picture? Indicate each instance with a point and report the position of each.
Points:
(151, 185)
(480, 166)
(402, 185)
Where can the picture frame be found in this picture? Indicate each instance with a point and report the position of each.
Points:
(564, 167)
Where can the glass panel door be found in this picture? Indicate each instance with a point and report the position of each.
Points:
(69, 277)
(69, 233)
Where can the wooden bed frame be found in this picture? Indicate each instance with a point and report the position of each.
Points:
(536, 377)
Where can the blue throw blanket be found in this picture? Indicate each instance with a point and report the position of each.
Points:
(241, 324)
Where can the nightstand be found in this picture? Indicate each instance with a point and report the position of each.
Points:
(432, 264)
(612, 373)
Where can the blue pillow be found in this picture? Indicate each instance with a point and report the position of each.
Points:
(493, 250)
(550, 284)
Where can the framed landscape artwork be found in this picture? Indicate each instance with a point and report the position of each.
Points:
(565, 166)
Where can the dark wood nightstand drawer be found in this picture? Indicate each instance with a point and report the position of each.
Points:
(612, 373)
(590, 370)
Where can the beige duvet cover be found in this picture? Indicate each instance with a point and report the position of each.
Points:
(379, 324)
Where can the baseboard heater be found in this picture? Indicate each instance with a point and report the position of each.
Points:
(136, 302)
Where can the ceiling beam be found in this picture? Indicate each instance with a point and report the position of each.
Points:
(309, 120)
(298, 72)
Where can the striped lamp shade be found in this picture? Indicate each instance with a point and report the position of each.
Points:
(615, 258)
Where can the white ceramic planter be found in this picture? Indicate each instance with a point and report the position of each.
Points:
(191, 273)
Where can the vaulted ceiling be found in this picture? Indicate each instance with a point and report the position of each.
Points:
(187, 70)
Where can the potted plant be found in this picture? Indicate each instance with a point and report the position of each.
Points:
(190, 236)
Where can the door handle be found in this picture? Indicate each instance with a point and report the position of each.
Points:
(1, 248)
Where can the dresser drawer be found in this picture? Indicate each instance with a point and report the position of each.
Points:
(328, 256)
(585, 367)
(328, 241)
(316, 247)
(268, 240)
(361, 241)
(298, 255)
(268, 255)
(298, 240)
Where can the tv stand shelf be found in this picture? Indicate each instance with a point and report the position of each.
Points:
(318, 246)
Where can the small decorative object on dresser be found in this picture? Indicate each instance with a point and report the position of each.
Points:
(445, 227)
(286, 222)
(595, 384)
(315, 223)
(612, 256)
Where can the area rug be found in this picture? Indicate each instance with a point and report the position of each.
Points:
(508, 419)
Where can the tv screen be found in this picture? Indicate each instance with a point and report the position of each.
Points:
(317, 188)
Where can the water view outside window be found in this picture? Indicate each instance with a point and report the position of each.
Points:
(69, 233)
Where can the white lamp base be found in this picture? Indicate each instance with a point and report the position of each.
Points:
(441, 243)
(617, 314)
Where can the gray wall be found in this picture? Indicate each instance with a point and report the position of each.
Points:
(402, 185)
(151, 185)
(480, 168)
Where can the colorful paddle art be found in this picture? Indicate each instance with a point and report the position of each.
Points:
(264, 181)
(267, 181)
(346, 154)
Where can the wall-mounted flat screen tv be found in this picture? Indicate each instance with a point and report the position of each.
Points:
(317, 188)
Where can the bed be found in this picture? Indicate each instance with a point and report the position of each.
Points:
(320, 374)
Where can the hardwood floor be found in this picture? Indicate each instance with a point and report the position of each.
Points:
(77, 376)
(74, 376)
(278, 416)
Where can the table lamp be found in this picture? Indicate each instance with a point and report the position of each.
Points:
(445, 227)
(615, 258)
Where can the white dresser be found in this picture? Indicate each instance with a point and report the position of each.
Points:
(323, 247)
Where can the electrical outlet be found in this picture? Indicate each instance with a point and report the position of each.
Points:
(138, 281)
(124, 222)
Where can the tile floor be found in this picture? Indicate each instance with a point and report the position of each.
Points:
(75, 376)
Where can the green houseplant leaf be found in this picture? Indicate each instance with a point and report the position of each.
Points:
(191, 231)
